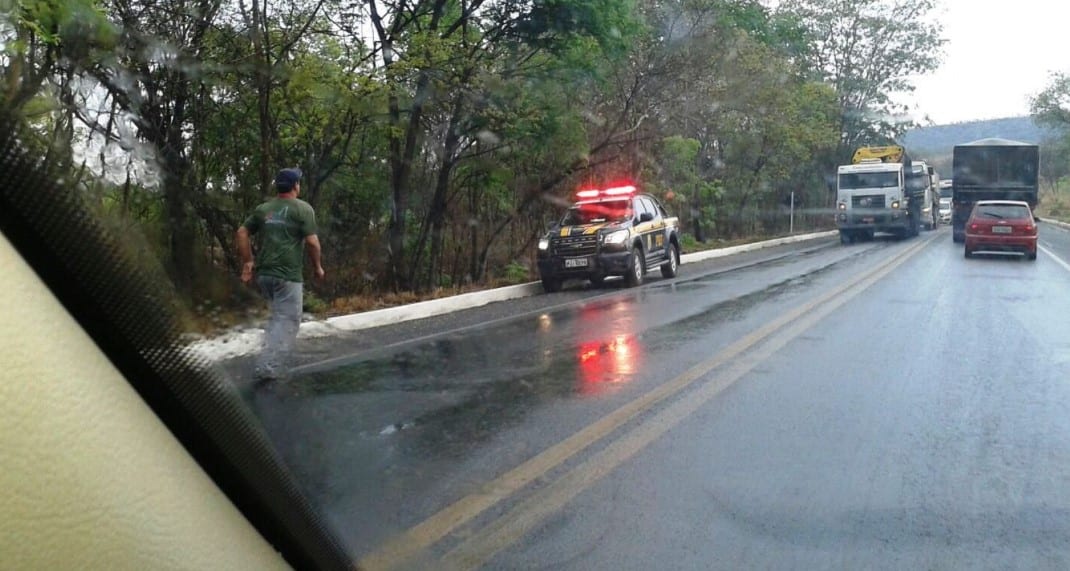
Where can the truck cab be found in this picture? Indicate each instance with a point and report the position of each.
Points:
(870, 198)
(614, 231)
(927, 184)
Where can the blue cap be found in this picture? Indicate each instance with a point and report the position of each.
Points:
(287, 178)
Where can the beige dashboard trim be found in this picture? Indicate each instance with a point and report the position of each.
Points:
(89, 476)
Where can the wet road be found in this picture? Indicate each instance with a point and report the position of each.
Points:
(882, 405)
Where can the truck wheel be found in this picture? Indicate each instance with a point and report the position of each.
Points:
(670, 268)
(636, 269)
(845, 237)
(957, 238)
(551, 285)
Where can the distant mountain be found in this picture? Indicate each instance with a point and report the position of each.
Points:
(940, 139)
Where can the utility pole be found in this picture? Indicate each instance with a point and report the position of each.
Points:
(791, 223)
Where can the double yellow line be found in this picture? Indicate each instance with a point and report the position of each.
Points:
(486, 542)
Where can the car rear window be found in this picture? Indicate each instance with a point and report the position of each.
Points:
(1002, 211)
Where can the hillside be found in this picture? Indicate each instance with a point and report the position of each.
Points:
(940, 139)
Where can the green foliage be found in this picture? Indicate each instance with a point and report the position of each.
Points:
(688, 243)
(515, 272)
(869, 52)
(311, 303)
(444, 159)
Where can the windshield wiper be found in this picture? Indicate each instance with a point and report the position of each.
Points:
(994, 215)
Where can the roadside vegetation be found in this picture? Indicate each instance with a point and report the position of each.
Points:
(439, 138)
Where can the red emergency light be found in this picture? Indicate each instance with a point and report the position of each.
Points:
(612, 191)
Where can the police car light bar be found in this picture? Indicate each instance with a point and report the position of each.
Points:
(617, 190)
(593, 193)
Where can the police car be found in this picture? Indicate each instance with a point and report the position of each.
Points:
(614, 231)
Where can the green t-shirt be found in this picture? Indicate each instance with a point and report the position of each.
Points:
(281, 225)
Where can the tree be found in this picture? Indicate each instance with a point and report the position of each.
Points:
(868, 52)
(1051, 108)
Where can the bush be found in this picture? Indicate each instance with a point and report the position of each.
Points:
(313, 304)
(515, 272)
(688, 243)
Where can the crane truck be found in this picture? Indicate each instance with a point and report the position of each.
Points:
(880, 192)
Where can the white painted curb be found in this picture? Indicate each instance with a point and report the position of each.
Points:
(246, 341)
(732, 250)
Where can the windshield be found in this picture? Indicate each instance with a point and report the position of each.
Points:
(850, 181)
(598, 212)
(337, 214)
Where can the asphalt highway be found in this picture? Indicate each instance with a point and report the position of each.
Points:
(887, 404)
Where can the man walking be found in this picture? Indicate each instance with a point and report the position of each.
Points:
(285, 226)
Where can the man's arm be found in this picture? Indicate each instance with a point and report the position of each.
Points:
(245, 250)
(312, 244)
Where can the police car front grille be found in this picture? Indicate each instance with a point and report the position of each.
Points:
(868, 201)
(575, 245)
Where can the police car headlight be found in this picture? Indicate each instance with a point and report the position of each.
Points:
(617, 237)
(544, 244)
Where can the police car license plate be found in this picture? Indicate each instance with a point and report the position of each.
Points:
(867, 220)
(576, 262)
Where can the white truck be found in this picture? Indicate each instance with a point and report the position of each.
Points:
(878, 193)
(930, 202)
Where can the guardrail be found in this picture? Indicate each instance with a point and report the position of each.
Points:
(246, 341)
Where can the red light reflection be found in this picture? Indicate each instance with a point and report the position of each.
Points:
(603, 364)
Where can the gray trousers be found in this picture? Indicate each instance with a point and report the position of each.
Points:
(285, 301)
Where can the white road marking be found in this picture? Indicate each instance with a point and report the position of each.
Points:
(1057, 259)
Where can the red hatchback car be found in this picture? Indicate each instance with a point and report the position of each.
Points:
(1001, 226)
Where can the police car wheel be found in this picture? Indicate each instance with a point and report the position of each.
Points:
(670, 268)
(634, 277)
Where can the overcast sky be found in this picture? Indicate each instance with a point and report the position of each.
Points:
(999, 52)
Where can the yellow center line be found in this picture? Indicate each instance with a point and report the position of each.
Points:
(506, 530)
(404, 546)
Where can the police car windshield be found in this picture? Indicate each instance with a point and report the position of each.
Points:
(598, 212)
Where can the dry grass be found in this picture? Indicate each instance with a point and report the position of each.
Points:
(1054, 206)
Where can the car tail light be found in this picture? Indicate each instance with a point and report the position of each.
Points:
(975, 226)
